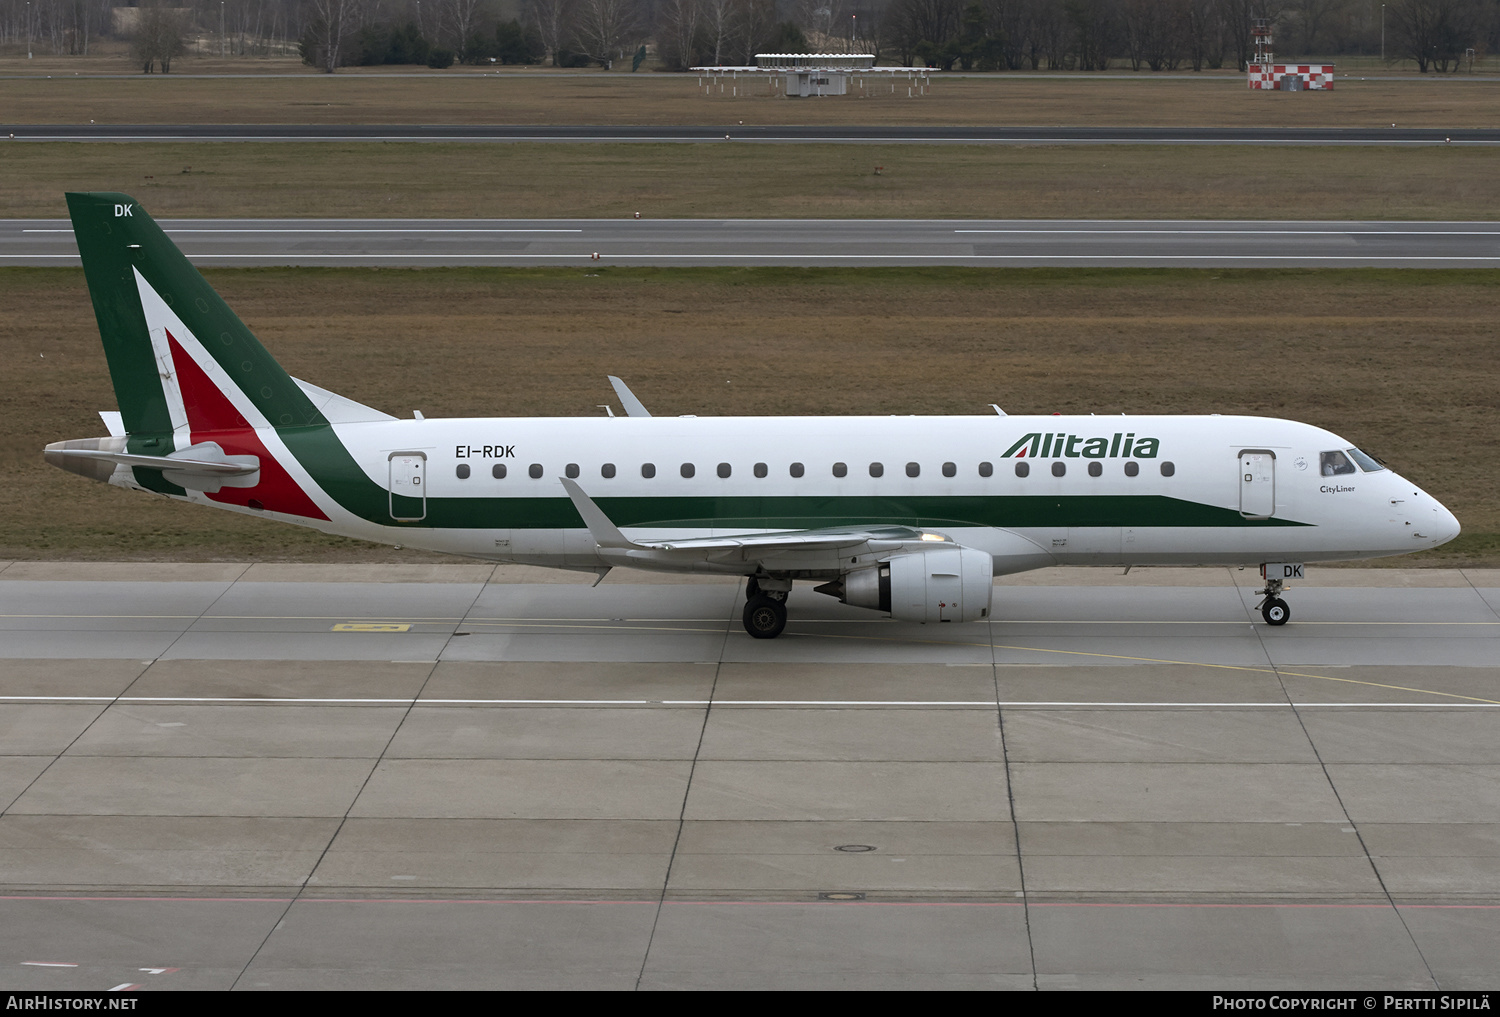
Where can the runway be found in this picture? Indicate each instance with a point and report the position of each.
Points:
(466, 776)
(778, 134)
(808, 242)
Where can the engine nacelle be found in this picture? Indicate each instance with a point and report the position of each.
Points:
(952, 584)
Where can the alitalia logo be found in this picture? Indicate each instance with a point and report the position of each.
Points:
(1120, 445)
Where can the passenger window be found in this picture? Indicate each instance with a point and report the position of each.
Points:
(1168, 469)
(986, 469)
(1096, 469)
(1367, 462)
(648, 470)
(462, 471)
(498, 471)
(760, 471)
(798, 469)
(1059, 468)
(1335, 464)
(1023, 469)
(877, 470)
(687, 471)
(913, 470)
(607, 471)
(950, 469)
(1132, 468)
(724, 470)
(840, 470)
(535, 470)
(571, 470)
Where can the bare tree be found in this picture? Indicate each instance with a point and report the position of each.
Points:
(718, 23)
(1153, 33)
(1052, 35)
(460, 15)
(1311, 17)
(752, 23)
(333, 22)
(1093, 32)
(1434, 33)
(606, 27)
(678, 36)
(158, 37)
(552, 19)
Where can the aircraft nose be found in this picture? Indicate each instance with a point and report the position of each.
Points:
(1445, 525)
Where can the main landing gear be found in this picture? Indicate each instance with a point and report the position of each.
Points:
(765, 607)
(1273, 609)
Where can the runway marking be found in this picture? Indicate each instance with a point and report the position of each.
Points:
(837, 703)
(1158, 660)
(745, 259)
(371, 627)
(1271, 905)
(1228, 233)
(616, 622)
(435, 229)
(1003, 232)
(46, 964)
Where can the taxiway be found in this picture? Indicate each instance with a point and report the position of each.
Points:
(805, 242)
(281, 776)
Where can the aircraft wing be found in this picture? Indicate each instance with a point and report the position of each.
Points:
(745, 547)
(802, 540)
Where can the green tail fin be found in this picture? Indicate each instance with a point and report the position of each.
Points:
(119, 242)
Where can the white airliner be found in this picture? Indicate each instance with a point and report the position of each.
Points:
(912, 516)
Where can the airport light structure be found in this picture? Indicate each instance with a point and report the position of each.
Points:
(1267, 75)
(809, 75)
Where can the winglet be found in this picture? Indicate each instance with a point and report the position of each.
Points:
(633, 406)
(604, 532)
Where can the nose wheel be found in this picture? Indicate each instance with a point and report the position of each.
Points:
(1275, 611)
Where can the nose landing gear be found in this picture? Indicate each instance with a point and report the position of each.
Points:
(1272, 608)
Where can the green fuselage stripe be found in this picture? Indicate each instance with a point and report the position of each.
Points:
(324, 456)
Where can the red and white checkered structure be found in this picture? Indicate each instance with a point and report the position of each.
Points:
(1269, 76)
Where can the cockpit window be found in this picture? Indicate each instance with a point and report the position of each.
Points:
(1367, 462)
(1335, 464)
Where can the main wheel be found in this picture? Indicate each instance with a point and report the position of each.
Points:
(1275, 611)
(765, 618)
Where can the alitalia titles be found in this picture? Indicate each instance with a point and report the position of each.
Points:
(1120, 445)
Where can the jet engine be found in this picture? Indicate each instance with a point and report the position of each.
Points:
(952, 584)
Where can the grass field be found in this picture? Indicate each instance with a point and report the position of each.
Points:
(363, 180)
(535, 96)
(1401, 362)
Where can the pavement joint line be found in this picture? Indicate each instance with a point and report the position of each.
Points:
(146, 666)
(687, 791)
(312, 869)
(1260, 635)
(1010, 801)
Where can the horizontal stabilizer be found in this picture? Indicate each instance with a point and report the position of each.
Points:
(200, 467)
